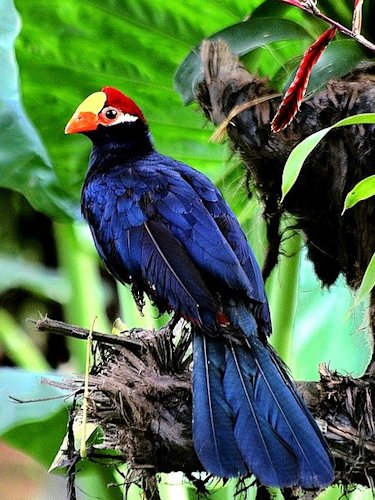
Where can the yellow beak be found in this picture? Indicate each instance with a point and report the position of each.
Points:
(85, 118)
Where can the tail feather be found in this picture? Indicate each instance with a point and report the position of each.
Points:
(265, 452)
(213, 437)
(291, 419)
(286, 379)
(248, 417)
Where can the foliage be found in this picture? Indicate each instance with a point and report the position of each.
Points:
(299, 154)
(65, 51)
(368, 282)
(363, 190)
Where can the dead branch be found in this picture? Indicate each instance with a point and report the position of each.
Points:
(56, 327)
(141, 398)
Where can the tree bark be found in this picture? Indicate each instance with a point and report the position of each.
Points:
(140, 395)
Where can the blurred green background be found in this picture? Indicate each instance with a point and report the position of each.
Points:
(52, 55)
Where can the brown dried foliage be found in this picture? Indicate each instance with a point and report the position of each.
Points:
(336, 243)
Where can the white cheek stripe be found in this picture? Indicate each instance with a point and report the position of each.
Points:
(127, 118)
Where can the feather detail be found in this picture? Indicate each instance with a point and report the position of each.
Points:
(264, 451)
(283, 373)
(167, 262)
(213, 420)
(280, 426)
(291, 420)
(170, 272)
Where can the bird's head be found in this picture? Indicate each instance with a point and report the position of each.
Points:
(102, 110)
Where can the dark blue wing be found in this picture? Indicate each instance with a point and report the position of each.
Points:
(187, 205)
(143, 251)
(228, 225)
(184, 211)
(223, 223)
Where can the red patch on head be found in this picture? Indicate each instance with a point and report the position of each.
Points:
(118, 100)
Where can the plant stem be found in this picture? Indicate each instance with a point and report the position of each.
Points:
(282, 292)
(80, 264)
(312, 9)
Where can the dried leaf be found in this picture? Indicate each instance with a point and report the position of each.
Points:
(294, 95)
(219, 133)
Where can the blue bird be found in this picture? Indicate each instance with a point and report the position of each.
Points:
(164, 228)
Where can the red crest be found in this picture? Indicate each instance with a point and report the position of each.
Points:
(118, 100)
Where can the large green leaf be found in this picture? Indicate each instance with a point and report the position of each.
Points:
(30, 424)
(241, 38)
(73, 48)
(24, 162)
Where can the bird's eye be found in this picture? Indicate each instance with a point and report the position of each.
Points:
(111, 114)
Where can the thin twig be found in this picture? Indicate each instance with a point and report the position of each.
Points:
(59, 328)
(83, 447)
(311, 8)
(220, 131)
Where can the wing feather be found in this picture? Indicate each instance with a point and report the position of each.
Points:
(168, 272)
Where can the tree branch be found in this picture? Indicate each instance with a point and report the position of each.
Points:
(141, 398)
(56, 327)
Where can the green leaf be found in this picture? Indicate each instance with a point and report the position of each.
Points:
(28, 425)
(361, 191)
(72, 49)
(368, 282)
(24, 163)
(242, 38)
(299, 154)
(18, 346)
(17, 272)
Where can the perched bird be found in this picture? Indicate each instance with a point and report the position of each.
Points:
(164, 228)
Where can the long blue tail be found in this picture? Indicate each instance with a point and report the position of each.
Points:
(249, 418)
